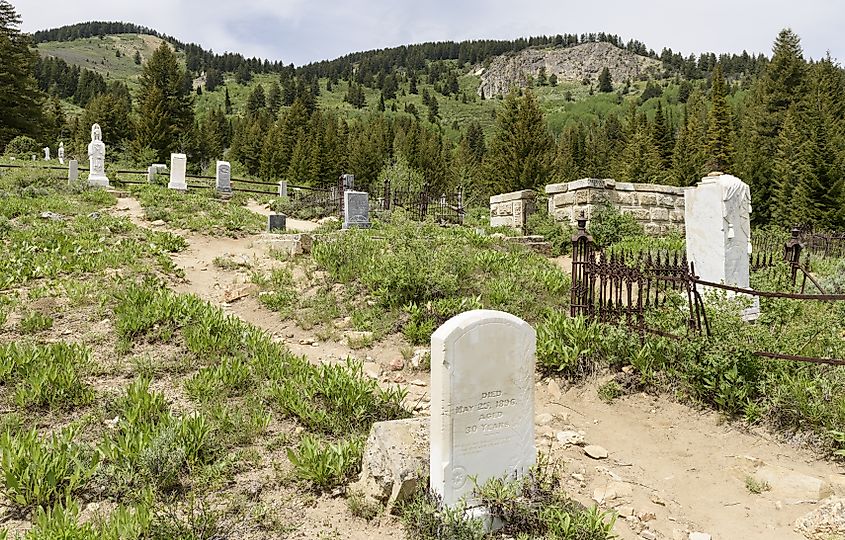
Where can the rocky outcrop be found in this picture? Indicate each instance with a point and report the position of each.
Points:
(567, 63)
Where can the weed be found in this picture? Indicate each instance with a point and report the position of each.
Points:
(41, 471)
(325, 465)
(610, 391)
(425, 517)
(608, 226)
(756, 486)
(228, 263)
(35, 322)
(194, 519)
(46, 376)
(360, 507)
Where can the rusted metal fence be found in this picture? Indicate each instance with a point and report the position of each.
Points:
(622, 288)
(422, 205)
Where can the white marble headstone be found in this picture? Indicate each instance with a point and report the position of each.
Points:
(482, 402)
(178, 169)
(717, 214)
(61, 153)
(224, 177)
(46, 153)
(97, 158)
(283, 188)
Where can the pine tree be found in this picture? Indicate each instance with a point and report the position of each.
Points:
(719, 128)
(256, 100)
(521, 152)
(662, 134)
(165, 110)
(553, 80)
(605, 81)
(20, 98)
(227, 103)
(137, 58)
(789, 170)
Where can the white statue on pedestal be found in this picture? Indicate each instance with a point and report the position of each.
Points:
(97, 158)
(61, 153)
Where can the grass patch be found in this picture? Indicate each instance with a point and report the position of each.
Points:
(46, 376)
(199, 211)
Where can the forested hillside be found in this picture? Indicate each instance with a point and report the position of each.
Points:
(419, 114)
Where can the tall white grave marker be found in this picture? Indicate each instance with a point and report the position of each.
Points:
(482, 402)
(61, 153)
(178, 168)
(717, 213)
(46, 153)
(97, 158)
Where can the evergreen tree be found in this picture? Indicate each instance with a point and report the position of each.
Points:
(553, 80)
(165, 110)
(213, 79)
(20, 99)
(243, 75)
(605, 81)
(521, 152)
(719, 143)
(662, 134)
(542, 78)
(256, 101)
(137, 58)
(227, 103)
(274, 98)
(412, 79)
(789, 170)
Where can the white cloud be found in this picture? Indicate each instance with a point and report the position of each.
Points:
(300, 31)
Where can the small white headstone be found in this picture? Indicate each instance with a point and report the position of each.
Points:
(717, 214)
(61, 153)
(46, 153)
(178, 169)
(72, 171)
(482, 402)
(224, 177)
(97, 158)
(283, 188)
(356, 209)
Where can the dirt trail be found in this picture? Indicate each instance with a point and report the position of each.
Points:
(679, 469)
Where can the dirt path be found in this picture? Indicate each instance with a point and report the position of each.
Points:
(672, 469)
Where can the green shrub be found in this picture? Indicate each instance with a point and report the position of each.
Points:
(559, 235)
(22, 146)
(46, 376)
(325, 465)
(609, 226)
(41, 471)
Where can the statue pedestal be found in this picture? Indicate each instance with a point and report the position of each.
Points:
(98, 180)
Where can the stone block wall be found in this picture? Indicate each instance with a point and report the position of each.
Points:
(660, 209)
(512, 209)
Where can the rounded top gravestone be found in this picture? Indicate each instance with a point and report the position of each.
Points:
(482, 402)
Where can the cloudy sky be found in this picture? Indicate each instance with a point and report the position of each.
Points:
(302, 31)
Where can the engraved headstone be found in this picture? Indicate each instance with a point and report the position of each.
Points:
(46, 153)
(61, 153)
(482, 402)
(276, 222)
(356, 209)
(348, 182)
(283, 188)
(178, 168)
(224, 177)
(97, 158)
(154, 170)
(72, 171)
(717, 214)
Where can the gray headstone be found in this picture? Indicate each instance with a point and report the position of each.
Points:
(224, 177)
(283, 188)
(276, 222)
(153, 170)
(46, 153)
(356, 209)
(348, 182)
(72, 171)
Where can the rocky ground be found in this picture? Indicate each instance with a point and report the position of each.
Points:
(668, 470)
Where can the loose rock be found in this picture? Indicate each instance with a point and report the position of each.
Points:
(699, 536)
(595, 451)
(570, 437)
(827, 521)
(554, 389)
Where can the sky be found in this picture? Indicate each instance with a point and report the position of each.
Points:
(302, 31)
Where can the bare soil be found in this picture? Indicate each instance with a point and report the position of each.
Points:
(673, 468)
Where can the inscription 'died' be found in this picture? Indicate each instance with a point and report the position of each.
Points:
(490, 410)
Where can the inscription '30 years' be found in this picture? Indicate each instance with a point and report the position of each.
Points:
(490, 409)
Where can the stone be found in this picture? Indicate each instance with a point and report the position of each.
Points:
(659, 214)
(224, 177)
(276, 222)
(554, 389)
(290, 244)
(699, 536)
(73, 171)
(791, 485)
(283, 188)
(612, 491)
(648, 535)
(645, 517)
(595, 451)
(97, 159)
(61, 153)
(395, 461)
(46, 153)
(570, 437)
(482, 402)
(717, 214)
(544, 419)
(348, 182)
(397, 364)
(420, 357)
(356, 209)
(826, 521)
(153, 170)
(178, 169)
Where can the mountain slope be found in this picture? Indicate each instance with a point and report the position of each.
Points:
(567, 63)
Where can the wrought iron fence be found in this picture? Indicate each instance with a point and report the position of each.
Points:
(422, 205)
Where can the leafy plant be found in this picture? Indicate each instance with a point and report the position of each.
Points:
(35, 322)
(326, 465)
